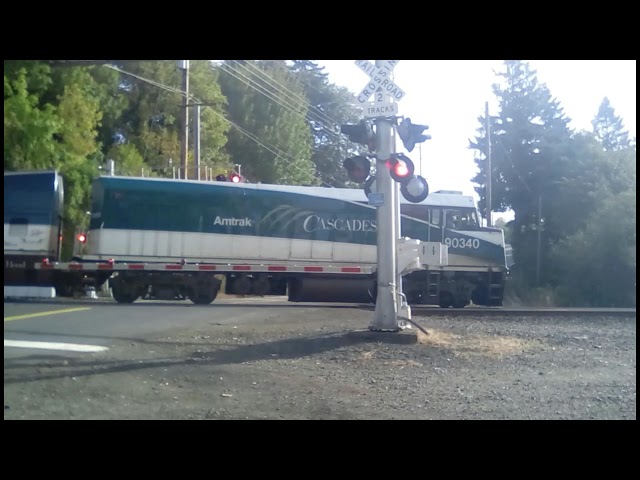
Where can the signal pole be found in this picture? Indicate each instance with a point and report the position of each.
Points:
(385, 315)
(396, 202)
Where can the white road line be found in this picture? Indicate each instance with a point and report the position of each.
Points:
(72, 347)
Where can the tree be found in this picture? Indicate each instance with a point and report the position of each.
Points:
(29, 126)
(329, 107)
(51, 121)
(598, 264)
(530, 140)
(266, 107)
(608, 128)
(151, 121)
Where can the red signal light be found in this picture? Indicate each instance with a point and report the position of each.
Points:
(235, 178)
(400, 167)
(82, 238)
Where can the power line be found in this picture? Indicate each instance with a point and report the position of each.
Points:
(235, 73)
(271, 149)
(322, 116)
(296, 108)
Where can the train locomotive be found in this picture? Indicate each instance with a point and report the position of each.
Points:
(166, 239)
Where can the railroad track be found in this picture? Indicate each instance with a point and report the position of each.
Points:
(426, 310)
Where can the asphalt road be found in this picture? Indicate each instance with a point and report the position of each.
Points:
(102, 322)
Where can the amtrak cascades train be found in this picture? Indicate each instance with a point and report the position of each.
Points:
(162, 238)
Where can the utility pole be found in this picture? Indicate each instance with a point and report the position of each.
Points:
(196, 139)
(385, 315)
(184, 148)
(489, 171)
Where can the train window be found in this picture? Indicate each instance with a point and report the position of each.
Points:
(434, 215)
(18, 227)
(420, 212)
(474, 219)
(461, 219)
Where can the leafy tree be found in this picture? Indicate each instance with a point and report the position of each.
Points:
(51, 122)
(151, 121)
(530, 139)
(29, 127)
(270, 137)
(330, 107)
(598, 263)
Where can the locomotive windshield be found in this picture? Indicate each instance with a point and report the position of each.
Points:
(461, 219)
(457, 219)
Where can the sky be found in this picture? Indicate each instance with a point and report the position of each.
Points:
(450, 95)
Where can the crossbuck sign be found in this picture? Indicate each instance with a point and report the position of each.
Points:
(381, 87)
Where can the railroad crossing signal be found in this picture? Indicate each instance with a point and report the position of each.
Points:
(414, 188)
(410, 134)
(361, 133)
(400, 167)
(358, 168)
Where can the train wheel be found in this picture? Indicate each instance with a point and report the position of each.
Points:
(123, 297)
(242, 285)
(204, 296)
(260, 285)
(123, 291)
(460, 303)
(446, 300)
(294, 290)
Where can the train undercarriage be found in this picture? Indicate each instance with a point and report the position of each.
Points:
(443, 288)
